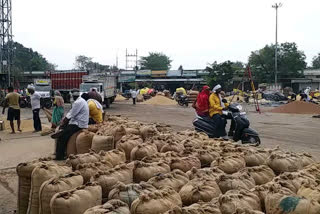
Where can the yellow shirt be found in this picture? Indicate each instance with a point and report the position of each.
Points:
(13, 100)
(94, 112)
(215, 105)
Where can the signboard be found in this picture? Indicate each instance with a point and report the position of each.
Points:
(42, 82)
(127, 78)
(144, 73)
(189, 73)
(127, 72)
(160, 73)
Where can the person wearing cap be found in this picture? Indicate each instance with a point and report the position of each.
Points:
(202, 102)
(35, 105)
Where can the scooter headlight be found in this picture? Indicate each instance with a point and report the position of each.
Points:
(239, 107)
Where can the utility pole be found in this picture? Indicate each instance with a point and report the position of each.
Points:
(276, 6)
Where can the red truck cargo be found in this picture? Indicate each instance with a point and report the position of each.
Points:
(66, 81)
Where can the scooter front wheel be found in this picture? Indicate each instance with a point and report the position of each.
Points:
(253, 141)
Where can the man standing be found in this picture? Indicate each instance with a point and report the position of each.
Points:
(76, 119)
(12, 100)
(35, 104)
(134, 96)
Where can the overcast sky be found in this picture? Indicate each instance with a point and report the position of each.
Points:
(192, 32)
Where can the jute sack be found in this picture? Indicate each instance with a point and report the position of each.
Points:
(111, 207)
(172, 146)
(297, 205)
(235, 199)
(255, 157)
(39, 175)
(199, 190)
(156, 202)
(161, 157)
(235, 181)
(247, 211)
(134, 131)
(115, 156)
(84, 142)
(175, 179)
(71, 145)
(54, 185)
(129, 192)
(143, 150)
(117, 132)
(280, 163)
(211, 173)
(309, 191)
(261, 174)
(312, 169)
(76, 201)
(88, 170)
(127, 143)
(147, 131)
(109, 178)
(306, 159)
(74, 160)
(230, 164)
(105, 143)
(185, 163)
(94, 128)
(206, 155)
(144, 171)
(24, 171)
(197, 208)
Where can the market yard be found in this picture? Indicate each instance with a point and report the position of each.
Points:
(291, 132)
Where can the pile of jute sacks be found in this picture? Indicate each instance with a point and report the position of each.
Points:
(124, 166)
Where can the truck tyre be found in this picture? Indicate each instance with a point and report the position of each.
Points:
(107, 102)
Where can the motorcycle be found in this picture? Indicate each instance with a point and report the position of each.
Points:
(182, 100)
(242, 130)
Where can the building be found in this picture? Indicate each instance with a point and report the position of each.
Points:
(311, 79)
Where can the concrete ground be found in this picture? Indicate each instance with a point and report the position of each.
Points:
(291, 132)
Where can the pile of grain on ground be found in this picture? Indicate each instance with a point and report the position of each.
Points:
(160, 100)
(298, 107)
(119, 98)
(235, 98)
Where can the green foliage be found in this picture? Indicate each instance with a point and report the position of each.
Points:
(316, 61)
(85, 63)
(290, 62)
(155, 61)
(223, 73)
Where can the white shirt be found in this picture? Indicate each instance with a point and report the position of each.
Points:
(133, 94)
(79, 114)
(35, 100)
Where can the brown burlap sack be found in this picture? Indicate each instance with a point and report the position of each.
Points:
(129, 192)
(24, 171)
(117, 132)
(54, 185)
(230, 164)
(143, 150)
(312, 169)
(105, 143)
(309, 191)
(39, 175)
(185, 163)
(115, 156)
(88, 170)
(127, 143)
(74, 160)
(148, 131)
(134, 131)
(84, 142)
(306, 159)
(235, 181)
(175, 179)
(156, 202)
(172, 146)
(76, 201)
(71, 145)
(144, 171)
(211, 173)
(254, 157)
(161, 157)
(280, 163)
(207, 155)
(196, 190)
(261, 174)
(94, 127)
(197, 208)
(111, 207)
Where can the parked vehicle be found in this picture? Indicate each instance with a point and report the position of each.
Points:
(242, 130)
(43, 87)
(182, 99)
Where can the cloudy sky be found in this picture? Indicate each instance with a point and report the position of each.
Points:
(193, 33)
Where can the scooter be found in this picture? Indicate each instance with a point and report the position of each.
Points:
(182, 100)
(242, 130)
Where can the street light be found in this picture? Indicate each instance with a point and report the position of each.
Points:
(276, 6)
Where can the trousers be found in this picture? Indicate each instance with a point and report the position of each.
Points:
(36, 120)
(62, 141)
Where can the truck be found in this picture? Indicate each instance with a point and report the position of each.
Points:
(104, 84)
(66, 81)
(43, 87)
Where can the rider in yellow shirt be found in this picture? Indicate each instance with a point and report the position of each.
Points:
(95, 111)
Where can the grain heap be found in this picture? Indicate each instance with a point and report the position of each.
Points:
(298, 107)
(158, 171)
(160, 100)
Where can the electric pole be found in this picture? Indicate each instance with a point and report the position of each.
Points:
(276, 6)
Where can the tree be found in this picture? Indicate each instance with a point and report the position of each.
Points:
(85, 63)
(290, 62)
(155, 61)
(316, 62)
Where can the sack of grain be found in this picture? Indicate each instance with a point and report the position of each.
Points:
(159, 140)
(111, 207)
(127, 143)
(297, 205)
(74, 160)
(39, 175)
(88, 170)
(76, 201)
(197, 208)
(185, 163)
(134, 131)
(24, 171)
(105, 143)
(94, 127)
(255, 157)
(71, 145)
(144, 171)
(309, 191)
(117, 133)
(84, 142)
(239, 199)
(156, 202)
(261, 174)
(313, 169)
(129, 192)
(147, 131)
(247, 211)
(229, 164)
(207, 155)
(143, 150)
(306, 159)
(109, 178)
(115, 156)
(175, 179)
(55, 185)
(199, 190)
(235, 181)
(280, 163)
(172, 146)
(211, 173)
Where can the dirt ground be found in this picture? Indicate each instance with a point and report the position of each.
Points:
(291, 132)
